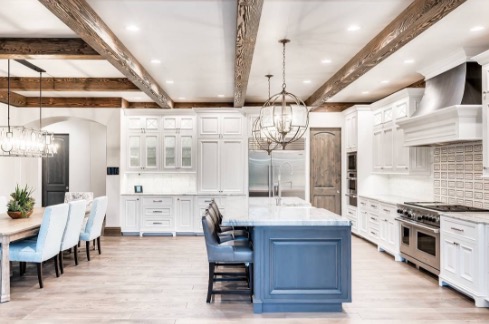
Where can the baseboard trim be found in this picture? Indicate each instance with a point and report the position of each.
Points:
(112, 231)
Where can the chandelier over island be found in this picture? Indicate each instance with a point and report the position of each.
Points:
(20, 141)
(283, 117)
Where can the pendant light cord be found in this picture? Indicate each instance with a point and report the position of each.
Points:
(8, 95)
(40, 100)
(283, 64)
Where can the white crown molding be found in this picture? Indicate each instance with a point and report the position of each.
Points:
(356, 108)
(404, 93)
(482, 58)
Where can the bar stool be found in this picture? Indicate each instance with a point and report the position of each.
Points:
(226, 233)
(228, 254)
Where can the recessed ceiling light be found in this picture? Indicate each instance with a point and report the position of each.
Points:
(326, 61)
(477, 28)
(384, 81)
(132, 28)
(306, 81)
(409, 61)
(170, 81)
(353, 28)
(155, 61)
(365, 92)
(220, 95)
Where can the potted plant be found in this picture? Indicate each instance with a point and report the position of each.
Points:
(22, 203)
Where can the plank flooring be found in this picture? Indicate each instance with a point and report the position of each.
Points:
(164, 280)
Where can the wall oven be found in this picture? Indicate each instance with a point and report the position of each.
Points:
(351, 185)
(352, 161)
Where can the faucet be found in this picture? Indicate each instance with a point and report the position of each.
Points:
(278, 186)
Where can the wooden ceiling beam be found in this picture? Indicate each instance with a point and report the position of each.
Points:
(16, 99)
(47, 48)
(415, 19)
(69, 84)
(83, 20)
(73, 102)
(249, 13)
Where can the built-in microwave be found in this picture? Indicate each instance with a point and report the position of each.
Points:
(352, 161)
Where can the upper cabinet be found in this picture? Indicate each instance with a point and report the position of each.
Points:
(220, 125)
(485, 118)
(143, 124)
(143, 152)
(390, 156)
(178, 143)
(178, 124)
(351, 126)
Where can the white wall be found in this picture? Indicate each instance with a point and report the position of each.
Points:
(25, 170)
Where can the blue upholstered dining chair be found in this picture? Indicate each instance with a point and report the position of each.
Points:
(93, 230)
(48, 241)
(73, 227)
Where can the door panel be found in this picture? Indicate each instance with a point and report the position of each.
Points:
(209, 166)
(326, 169)
(232, 166)
(56, 173)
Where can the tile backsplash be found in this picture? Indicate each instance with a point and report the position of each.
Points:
(457, 175)
(162, 183)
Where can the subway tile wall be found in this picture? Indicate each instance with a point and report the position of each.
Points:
(457, 171)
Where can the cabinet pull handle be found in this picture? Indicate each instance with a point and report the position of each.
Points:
(373, 206)
(453, 243)
(208, 201)
(387, 210)
(156, 201)
(457, 229)
(373, 218)
(157, 211)
(157, 223)
(373, 233)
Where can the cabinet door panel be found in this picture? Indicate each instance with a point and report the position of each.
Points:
(450, 257)
(209, 125)
(170, 151)
(152, 123)
(134, 152)
(388, 154)
(131, 211)
(401, 152)
(151, 151)
(231, 125)
(187, 123)
(209, 166)
(170, 123)
(185, 214)
(378, 161)
(232, 166)
(186, 151)
(468, 264)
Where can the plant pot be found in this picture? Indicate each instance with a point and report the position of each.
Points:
(16, 215)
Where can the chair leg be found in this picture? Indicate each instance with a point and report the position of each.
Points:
(94, 244)
(61, 262)
(75, 252)
(98, 245)
(39, 274)
(79, 242)
(56, 268)
(88, 250)
(210, 286)
(251, 282)
(22, 268)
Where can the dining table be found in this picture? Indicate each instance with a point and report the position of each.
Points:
(12, 230)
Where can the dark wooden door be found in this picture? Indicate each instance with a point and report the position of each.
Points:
(56, 172)
(326, 169)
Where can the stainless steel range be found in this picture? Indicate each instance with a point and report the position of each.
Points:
(420, 231)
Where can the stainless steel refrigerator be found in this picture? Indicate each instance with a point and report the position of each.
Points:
(282, 170)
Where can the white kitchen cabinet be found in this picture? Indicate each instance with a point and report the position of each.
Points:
(143, 124)
(351, 214)
(485, 119)
(390, 156)
(362, 217)
(221, 166)
(220, 125)
(389, 231)
(462, 258)
(184, 214)
(178, 123)
(143, 152)
(351, 125)
(179, 151)
(131, 214)
(157, 215)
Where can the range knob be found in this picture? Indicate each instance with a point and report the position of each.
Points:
(400, 211)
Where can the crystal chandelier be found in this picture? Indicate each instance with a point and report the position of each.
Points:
(284, 117)
(263, 142)
(19, 141)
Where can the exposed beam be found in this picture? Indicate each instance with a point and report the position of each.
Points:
(416, 18)
(15, 99)
(184, 105)
(143, 105)
(418, 84)
(336, 106)
(249, 13)
(46, 48)
(83, 20)
(69, 84)
(74, 102)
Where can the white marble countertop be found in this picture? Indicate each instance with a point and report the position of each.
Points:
(243, 211)
(479, 218)
(161, 194)
(391, 199)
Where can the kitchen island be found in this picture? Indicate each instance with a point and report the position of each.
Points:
(302, 254)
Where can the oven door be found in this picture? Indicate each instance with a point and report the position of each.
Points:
(407, 245)
(427, 246)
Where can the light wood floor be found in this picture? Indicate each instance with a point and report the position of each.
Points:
(163, 280)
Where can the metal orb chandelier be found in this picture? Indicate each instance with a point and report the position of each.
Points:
(19, 141)
(261, 140)
(284, 117)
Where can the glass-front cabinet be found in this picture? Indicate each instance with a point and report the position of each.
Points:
(143, 152)
(178, 151)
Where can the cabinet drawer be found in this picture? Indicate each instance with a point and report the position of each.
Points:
(389, 210)
(373, 221)
(157, 212)
(373, 234)
(158, 223)
(363, 204)
(373, 206)
(157, 201)
(459, 228)
(351, 214)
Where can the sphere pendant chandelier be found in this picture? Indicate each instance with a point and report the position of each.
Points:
(284, 117)
(261, 140)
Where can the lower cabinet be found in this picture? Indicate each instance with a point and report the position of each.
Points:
(463, 258)
(157, 215)
(131, 214)
(351, 214)
(377, 224)
(184, 212)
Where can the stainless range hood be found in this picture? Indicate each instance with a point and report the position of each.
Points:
(450, 110)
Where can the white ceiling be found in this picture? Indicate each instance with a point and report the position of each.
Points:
(195, 42)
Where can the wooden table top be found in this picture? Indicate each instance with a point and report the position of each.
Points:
(9, 226)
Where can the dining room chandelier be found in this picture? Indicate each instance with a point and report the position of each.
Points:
(284, 117)
(261, 140)
(20, 141)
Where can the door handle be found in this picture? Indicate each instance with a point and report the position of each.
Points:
(67, 188)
